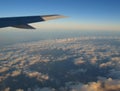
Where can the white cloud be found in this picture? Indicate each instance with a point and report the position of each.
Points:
(106, 85)
(79, 61)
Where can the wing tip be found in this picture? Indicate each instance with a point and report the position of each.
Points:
(51, 17)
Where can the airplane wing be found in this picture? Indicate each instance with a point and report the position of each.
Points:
(23, 22)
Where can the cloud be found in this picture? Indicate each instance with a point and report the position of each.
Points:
(93, 60)
(113, 62)
(106, 85)
(3, 69)
(15, 73)
(39, 61)
(107, 64)
(79, 61)
(39, 76)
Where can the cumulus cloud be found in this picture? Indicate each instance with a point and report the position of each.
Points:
(15, 73)
(4, 69)
(113, 62)
(76, 59)
(38, 75)
(107, 64)
(106, 85)
(79, 61)
(94, 60)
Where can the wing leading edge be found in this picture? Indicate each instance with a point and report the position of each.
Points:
(23, 22)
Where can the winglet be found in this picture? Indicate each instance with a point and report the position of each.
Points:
(51, 17)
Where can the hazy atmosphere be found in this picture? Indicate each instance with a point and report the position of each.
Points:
(83, 14)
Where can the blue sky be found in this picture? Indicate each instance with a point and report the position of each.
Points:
(83, 14)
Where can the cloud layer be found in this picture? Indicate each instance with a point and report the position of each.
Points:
(69, 64)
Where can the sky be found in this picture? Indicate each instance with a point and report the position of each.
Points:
(82, 14)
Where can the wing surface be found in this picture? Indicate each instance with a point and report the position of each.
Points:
(23, 22)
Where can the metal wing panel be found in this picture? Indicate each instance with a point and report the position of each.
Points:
(5, 22)
(24, 26)
(20, 21)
